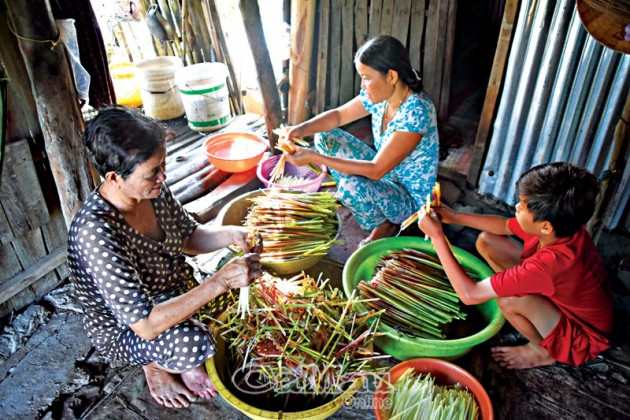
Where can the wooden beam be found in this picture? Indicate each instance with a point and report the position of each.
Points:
(480, 146)
(302, 30)
(57, 105)
(33, 273)
(264, 70)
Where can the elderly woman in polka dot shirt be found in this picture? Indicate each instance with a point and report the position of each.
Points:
(126, 247)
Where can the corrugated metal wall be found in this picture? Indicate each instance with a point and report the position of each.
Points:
(562, 98)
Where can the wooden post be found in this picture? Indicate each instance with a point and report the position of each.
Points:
(616, 167)
(57, 104)
(264, 70)
(494, 86)
(302, 28)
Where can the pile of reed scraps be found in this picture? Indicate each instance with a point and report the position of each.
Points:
(293, 224)
(419, 397)
(415, 293)
(301, 335)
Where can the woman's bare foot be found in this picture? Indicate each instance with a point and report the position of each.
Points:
(385, 230)
(165, 388)
(198, 382)
(522, 357)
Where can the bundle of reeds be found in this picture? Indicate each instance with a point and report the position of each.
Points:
(293, 224)
(301, 335)
(419, 397)
(415, 293)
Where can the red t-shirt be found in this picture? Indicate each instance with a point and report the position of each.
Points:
(570, 273)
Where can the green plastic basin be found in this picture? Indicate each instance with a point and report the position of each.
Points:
(360, 266)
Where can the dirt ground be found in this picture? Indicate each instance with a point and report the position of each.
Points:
(55, 373)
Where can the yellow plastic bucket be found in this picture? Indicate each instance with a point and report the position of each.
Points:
(125, 84)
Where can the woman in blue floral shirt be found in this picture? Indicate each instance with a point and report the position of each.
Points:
(381, 187)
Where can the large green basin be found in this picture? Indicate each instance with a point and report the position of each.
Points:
(360, 266)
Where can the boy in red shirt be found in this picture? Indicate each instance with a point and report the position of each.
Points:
(552, 288)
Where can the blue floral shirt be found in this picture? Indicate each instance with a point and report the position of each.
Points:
(418, 171)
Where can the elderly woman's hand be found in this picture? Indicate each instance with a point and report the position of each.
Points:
(240, 272)
(244, 239)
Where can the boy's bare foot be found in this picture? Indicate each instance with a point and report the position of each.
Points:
(198, 382)
(522, 357)
(165, 388)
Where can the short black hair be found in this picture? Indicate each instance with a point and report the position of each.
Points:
(119, 139)
(561, 193)
(384, 53)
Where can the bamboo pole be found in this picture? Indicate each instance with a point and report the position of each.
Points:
(233, 84)
(55, 97)
(302, 28)
(197, 16)
(264, 70)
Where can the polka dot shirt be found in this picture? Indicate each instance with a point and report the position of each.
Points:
(121, 274)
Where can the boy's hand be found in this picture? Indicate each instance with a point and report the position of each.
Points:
(445, 213)
(429, 223)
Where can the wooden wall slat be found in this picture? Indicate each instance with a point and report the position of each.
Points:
(416, 32)
(430, 46)
(322, 56)
(347, 41)
(21, 110)
(10, 263)
(335, 52)
(11, 288)
(21, 196)
(447, 64)
(360, 33)
(400, 20)
(55, 236)
(24, 298)
(374, 23)
(387, 14)
(6, 234)
(302, 34)
(440, 50)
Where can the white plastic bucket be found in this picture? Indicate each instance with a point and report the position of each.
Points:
(205, 95)
(160, 96)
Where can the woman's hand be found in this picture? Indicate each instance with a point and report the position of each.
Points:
(293, 132)
(301, 156)
(240, 272)
(429, 223)
(241, 237)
